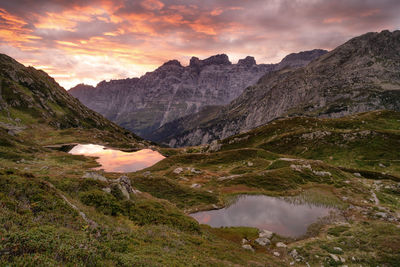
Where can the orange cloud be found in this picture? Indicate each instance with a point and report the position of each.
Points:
(153, 4)
(13, 30)
(333, 20)
(88, 41)
(202, 28)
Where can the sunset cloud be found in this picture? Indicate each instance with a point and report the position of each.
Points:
(88, 41)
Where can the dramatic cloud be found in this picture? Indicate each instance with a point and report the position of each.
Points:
(91, 40)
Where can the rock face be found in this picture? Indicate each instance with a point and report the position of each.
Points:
(361, 75)
(172, 91)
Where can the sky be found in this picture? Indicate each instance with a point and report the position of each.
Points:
(87, 41)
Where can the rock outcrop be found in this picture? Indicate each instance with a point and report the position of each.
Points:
(172, 91)
(361, 75)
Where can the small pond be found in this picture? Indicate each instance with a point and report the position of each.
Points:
(112, 160)
(284, 217)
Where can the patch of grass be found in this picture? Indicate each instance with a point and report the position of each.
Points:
(140, 211)
(338, 230)
(283, 179)
(144, 212)
(180, 195)
(277, 164)
(235, 234)
(319, 196)
(105, 203)
(388, 199)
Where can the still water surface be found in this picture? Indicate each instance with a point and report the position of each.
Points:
(286, 218)
(112, 160)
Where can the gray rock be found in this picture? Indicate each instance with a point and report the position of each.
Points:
(178, 170)
(193, 170)
(281, 245)
(263, 241)
(94, 176)
(124, 191)
(248, 247)
(338, 249)
(230, 177)
(265, 233)
(107, 190)
(294, 254)
(276, 254)
(214, 146)
(195, 186)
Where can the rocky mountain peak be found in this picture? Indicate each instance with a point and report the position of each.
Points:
(298, 59)
(82, 86)
(170, 65)
(247, 61)
(173, 62)
(221, 59)
(367, 48)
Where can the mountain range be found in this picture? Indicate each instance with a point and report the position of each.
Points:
(172, 91)
(360, 75)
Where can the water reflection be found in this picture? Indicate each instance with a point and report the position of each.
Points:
(112, 160)
(274, 214)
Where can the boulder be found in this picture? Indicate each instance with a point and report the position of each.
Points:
(195, 186)
(338, 249)
(214, 146)
(265, 233)
(107, 190)
(263, 241)
(178, 170)
(281, 245)
(248, 247)
(294, 253)
(124, 191)
(95, 176)
(193, 170)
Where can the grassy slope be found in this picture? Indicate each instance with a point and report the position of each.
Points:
(286, 158)
(43, 194)
(37, 226)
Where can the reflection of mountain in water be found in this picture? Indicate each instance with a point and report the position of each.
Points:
(286, 218)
